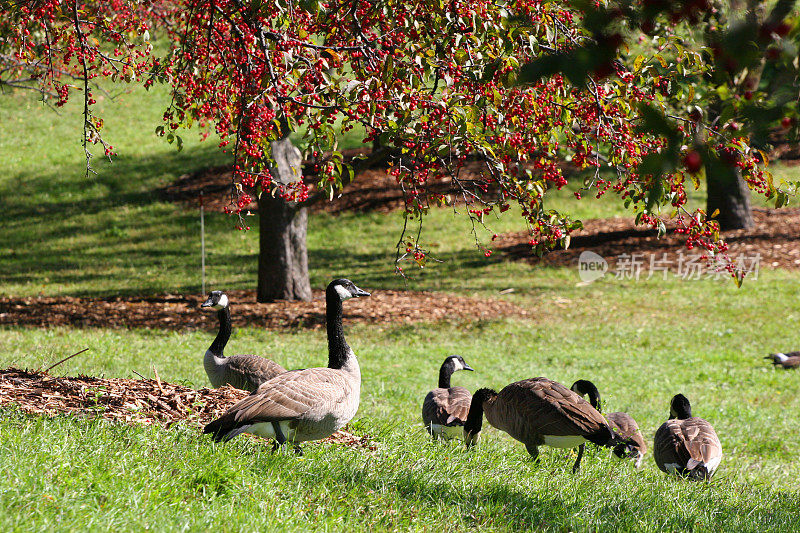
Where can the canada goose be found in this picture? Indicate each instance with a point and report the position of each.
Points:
(445, 408)
(245, 372)
(308, 404)
(685, 444)
(622, 423)
(539, 411)
(786, 360)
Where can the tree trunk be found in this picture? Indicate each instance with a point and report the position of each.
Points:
(728, 193)
(282, 256)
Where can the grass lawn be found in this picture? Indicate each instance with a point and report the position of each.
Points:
(641, 342)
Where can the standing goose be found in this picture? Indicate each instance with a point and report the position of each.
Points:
(538, 411)
(622, 423)
(686, 445)
(786, 360)
(445, 408)
(308, 404)
(244, 372)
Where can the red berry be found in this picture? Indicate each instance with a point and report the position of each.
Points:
(692, 161)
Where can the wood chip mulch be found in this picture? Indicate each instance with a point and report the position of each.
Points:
(178, 312)
(775, 239)
(130, 401)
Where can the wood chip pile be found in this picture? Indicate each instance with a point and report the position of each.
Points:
(132, 401)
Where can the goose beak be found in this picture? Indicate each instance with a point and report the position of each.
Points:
(207, 303)
(467, 367)
(359, 292)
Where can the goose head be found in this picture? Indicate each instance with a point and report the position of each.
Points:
(455, 363)
(680, 407)
(345, 289)
(216, 300)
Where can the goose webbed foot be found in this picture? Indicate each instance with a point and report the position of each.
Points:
(577, 464)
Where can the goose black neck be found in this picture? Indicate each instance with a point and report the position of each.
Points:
(583, 386)
(474, 421)
(338, 350)
(445, 372)
(224, 333)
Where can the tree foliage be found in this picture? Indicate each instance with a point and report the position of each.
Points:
(525, 89)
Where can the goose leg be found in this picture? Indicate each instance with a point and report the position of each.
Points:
(534, 451)
(280, 438)
(577, 464)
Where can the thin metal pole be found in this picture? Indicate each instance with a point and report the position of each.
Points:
(202, 244)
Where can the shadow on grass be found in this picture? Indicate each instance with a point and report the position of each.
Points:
(548, 508)
(81, 227)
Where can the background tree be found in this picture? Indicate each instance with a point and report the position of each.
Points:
(517, 86)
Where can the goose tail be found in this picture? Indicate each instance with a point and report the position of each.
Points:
(223, 429)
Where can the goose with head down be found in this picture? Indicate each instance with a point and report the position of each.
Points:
(622, 423)
(537, 412)
(308, 404)
(686, 445)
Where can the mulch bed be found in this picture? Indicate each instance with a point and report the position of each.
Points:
(776, 237)
(179, 312)
(131, 401)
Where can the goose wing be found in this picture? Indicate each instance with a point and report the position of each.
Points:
(249, 371)
(535, 407)
(701, 440)
(446, 407)
(793, 361)
(289, 396)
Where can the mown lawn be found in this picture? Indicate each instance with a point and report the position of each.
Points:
(640, 341)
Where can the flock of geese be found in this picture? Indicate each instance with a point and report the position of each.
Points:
(310, 404)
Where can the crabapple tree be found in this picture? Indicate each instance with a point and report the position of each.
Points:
(520, 89)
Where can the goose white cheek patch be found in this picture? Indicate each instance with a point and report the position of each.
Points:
(222, 303)
(781, 357)
(343, 293)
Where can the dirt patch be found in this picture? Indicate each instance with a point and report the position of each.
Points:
(774, 242)
(131, 401)
(183, 312)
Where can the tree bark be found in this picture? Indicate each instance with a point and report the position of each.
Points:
(283, 256)
(728, 193)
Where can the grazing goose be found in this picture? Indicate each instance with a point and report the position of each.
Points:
(244, 372)
(445, 408)
(786, 360)
(308, 404)
(686, 445)
(538, 412)
(622, 423)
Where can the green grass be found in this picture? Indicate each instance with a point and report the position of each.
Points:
(641, 342)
